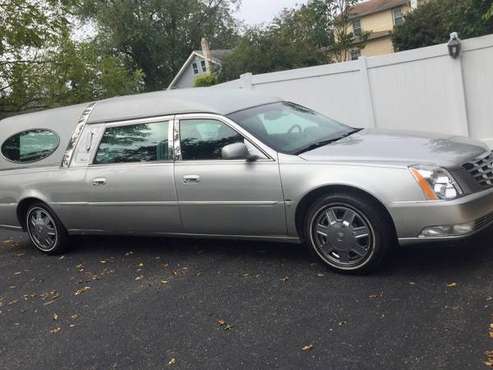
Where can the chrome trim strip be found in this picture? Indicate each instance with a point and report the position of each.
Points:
(11, 227)
(230, 203)
(176, 140)
(279, 238)
(74, 140)
(172, 203)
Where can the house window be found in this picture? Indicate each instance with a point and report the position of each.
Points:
(204, 66)
(195, 68)
(397, 16)
(357, 30)
(355, 54)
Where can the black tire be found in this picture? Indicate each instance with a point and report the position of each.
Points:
(49, 227)
(331, 239)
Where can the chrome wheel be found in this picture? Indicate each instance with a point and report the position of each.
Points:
(42, 229)
(342, 236)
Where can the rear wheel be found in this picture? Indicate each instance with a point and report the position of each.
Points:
(348, 232)
(45, 230)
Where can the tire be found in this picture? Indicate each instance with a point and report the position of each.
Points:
(349, 233)
(45, 230)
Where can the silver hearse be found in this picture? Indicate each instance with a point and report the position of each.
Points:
(230, 163)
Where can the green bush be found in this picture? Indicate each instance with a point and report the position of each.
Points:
(205, 80)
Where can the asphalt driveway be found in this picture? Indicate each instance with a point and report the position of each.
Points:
(169, 303)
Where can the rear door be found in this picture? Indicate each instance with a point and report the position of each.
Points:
(132, 180)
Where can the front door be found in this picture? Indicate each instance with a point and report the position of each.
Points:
(225, 197)
(131, 179)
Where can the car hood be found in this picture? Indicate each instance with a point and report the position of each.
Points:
(399, 147)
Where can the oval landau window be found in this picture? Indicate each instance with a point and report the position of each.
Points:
(30, 146)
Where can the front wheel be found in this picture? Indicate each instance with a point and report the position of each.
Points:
(45, 230)
(349, 233)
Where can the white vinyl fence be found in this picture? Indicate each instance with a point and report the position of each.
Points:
(422, 89)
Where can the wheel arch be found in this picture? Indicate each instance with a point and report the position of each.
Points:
(314, 194)
(23, 206)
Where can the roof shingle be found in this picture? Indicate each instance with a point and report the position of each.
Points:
(375, 6)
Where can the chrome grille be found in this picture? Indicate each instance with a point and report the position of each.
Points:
(481, 169)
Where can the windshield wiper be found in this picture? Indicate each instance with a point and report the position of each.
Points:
(321, 143)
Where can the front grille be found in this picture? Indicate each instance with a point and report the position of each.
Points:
(481, 169)
(484, 221)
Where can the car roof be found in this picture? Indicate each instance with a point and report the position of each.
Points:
(162, 103)
(198, 100)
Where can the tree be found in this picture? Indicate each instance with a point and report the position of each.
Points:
(313, 34)
(432, 23)
(42, 67)
(295, 39)
(338, 14)
(158, 36)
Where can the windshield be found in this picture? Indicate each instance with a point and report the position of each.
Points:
(290, 128)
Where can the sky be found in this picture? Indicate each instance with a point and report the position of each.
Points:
(260, 11)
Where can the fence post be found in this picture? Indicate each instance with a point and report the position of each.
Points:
(246, 81)
(372, 120)
(461, 90)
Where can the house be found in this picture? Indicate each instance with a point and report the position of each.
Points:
(200, 62)
(377, 19)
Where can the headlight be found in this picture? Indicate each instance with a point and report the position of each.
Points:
(436, 182)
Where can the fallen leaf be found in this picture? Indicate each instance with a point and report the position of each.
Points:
(55, 316)
(82, 290)
(55, 330)
(307, 348)
(451, 285)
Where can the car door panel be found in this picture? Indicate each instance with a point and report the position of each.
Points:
(228, 197)
(134, 198)
(139, 196)
(236, 198)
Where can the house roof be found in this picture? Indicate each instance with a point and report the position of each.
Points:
(375, 6)
(217, 57)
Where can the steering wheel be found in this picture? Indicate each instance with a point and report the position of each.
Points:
(295, 127)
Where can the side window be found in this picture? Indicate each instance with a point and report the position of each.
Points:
(204, 139)
(30, 146)
(145, 142)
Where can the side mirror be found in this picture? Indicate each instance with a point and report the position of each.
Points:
(237, 151)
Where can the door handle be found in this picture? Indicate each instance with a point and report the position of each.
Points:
(191, 179)
(99, 182)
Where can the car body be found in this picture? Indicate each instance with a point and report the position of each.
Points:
(216, 163)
